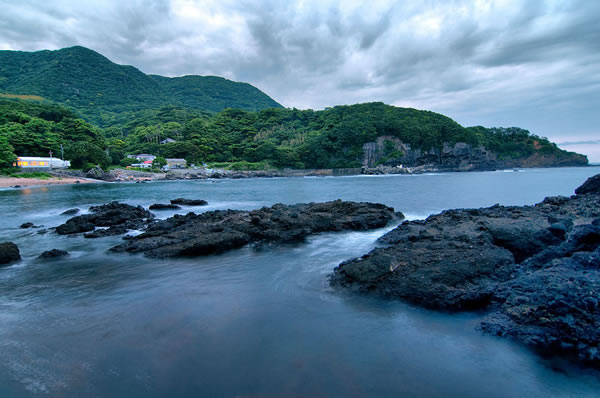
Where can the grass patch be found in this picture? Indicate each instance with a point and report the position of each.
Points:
(33, 174)
(23, 97)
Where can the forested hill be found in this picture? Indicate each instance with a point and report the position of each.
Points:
(100, 90)
(341, 137)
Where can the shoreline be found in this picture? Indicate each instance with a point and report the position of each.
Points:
(70, 177)
(16, 183)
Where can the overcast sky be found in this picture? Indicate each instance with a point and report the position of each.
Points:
(532, 64)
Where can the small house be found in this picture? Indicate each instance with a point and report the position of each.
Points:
(176, 163)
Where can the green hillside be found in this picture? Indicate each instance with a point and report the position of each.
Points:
(274, 137)
(100, 89)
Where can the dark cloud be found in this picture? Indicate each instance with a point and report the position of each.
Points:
(532, 63)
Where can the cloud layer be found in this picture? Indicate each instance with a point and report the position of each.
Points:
(533, 64)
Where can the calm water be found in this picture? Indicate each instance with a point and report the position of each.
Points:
(253, 323)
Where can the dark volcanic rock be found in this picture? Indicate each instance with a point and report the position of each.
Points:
(164, 206)
(189, 202)
(26, 225)
(591, 185)
(70, 212)
(9, 252)
(108, 215)
(218, 231)
(536, 269)
(54, 253)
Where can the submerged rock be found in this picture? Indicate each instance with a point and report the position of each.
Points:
(164, 206)
(70, 212)
(536, 269)
(54, 253)
(189, 202)
(219, 231)
(26, 225)
(108, 215)
(9, 252)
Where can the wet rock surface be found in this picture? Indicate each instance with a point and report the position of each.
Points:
(54, 253)
(219, 231)
(535, 269)
(164, 206)
(70, 212)
(9, 253)
(189, 202)
(113, 214)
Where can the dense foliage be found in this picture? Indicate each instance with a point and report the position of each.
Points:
(101, 90)
(275, 137)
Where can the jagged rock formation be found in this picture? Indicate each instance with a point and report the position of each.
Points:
(391, 151)
(219, 231)
(119, 217)
(536, 269)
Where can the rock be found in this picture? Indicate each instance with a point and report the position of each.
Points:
(17, 186)
(189, 202)
(95, 173)
(535, 269)
(591, 185)
(9, 252)
(390, 151)
(164, 206)
(219, 231)
(26, 225)
(54, 253)
(108, 215)
(70, 212)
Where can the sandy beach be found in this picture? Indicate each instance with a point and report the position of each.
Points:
(7, 182)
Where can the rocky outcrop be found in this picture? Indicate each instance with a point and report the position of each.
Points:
(163, 206)
(119, 216)
(9, 253)
(219, 231)
(189, 202)
(592, 185)
(392, 152)
(54, 253)
(536, 269)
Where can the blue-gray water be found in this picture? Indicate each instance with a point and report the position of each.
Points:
(253, 323)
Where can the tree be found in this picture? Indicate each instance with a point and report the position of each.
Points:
(159, 162)
(7, 155)
(82, 153)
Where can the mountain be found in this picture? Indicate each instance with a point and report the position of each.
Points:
(92, 84)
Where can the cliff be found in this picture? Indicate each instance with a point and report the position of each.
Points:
(391, 151)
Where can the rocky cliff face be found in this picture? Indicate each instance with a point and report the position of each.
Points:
(391, 151)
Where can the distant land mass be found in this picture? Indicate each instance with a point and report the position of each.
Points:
(92, 84)
(100, 112)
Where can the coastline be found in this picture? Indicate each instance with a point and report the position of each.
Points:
(68, 177)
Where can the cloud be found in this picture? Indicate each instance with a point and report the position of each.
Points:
(489, 62)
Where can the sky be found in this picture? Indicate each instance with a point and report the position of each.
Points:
(533, 64)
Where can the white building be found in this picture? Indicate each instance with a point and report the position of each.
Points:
(31, 162)
(142, 157)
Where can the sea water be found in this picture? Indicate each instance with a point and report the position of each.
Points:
(254, 322)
